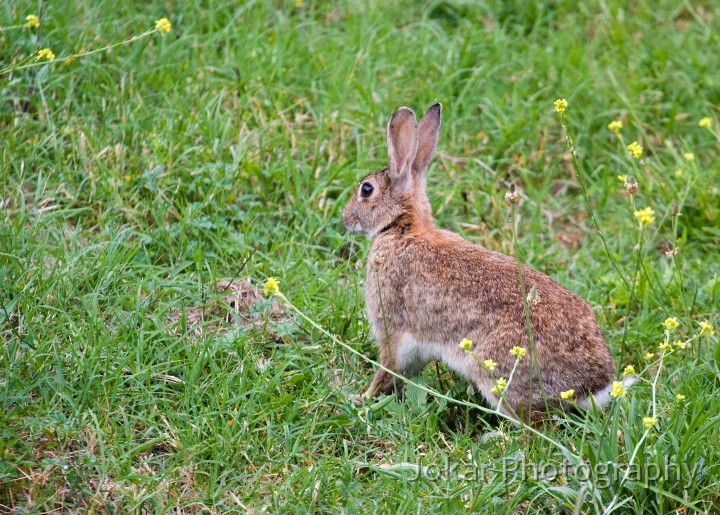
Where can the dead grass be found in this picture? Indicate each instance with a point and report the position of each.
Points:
(230, 305)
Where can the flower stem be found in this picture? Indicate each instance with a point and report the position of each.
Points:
(632, 288)
(576, 165)
(678, 270)
(12, 27)
(77, 55)
(526, 310)
(391, 359)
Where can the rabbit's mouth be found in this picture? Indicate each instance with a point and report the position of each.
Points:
(350, 221)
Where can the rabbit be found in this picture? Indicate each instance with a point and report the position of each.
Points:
(427, 289)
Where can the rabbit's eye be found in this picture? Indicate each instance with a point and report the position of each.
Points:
(366, 190)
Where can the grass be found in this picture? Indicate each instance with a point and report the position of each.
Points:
(136, 179)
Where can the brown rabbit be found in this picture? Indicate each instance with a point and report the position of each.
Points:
(426, 289)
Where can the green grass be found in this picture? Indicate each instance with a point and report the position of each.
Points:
(132, 181)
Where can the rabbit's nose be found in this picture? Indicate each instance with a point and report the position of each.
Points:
(347, 217)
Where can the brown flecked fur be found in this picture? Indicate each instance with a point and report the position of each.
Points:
(426, 289)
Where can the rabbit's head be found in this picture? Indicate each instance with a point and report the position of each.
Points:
(381, 198)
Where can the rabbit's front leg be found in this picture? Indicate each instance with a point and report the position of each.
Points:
(384, 382)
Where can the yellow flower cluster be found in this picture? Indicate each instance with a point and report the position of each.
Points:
(645, 216)
(163, 26)
(706, 328)
(45, 53)
(635, 149)
(489, 365)
(615, 126)
(465, 344)
(518, 352)
(680, 397)
(499, 386)
(629, 371)
(33, 22)
(618, 390)
(272, 285)
(560, 105)
(671, 323)
(681, 344)
(689, 156)
(567, 394)
(665, 347)
(648, 422)
(705, 123)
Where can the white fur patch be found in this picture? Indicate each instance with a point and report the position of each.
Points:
(602, 398)
(412, 356)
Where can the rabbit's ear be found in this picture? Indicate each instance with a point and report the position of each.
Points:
(428, 131)
(402, 138)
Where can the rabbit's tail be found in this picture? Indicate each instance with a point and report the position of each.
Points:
(602, 397)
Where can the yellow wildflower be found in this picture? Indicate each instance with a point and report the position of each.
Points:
(689, 156)
(635, 149)
(567, 394)
(618, 390)
(648, 422)
(680, 397)
(45, 53)
(489, 364)
(622, 178)
(33, 21)
(163, 26)
(649, 356)
(615, 126)
(678, 172)
(518, 352)
(705, 123)
(560, 105)
(681, 344)
(706, 328)
(629, 371)
(272, 285)
(671, 323)
(665, 347)
(465, 344)
(499, 386)
(645, 216)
